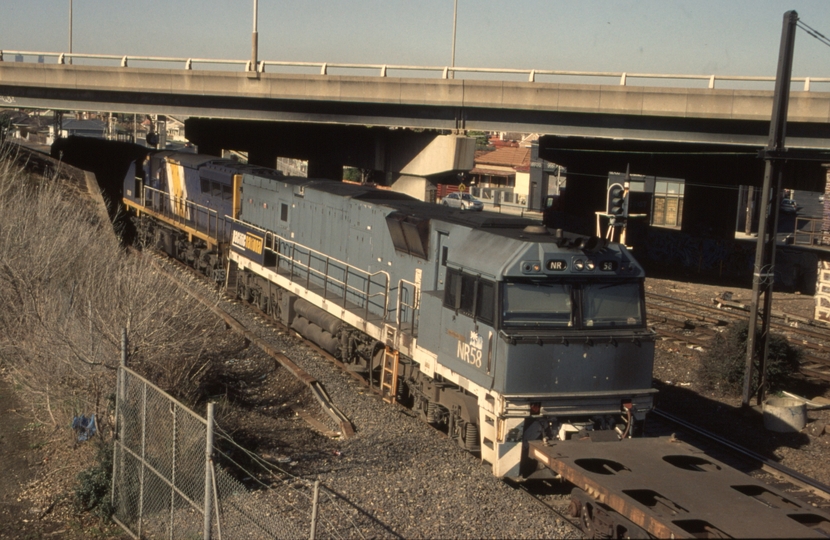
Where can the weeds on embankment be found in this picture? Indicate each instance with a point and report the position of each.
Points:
(68, 288)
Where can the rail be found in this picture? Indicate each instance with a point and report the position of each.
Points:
(382, 70)
(403, 306)
(299, 262)
(187, 213)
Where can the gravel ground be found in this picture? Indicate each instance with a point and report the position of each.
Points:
(404, 479)
(401, 477)
(683, 394)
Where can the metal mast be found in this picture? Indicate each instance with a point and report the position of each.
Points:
(763, 275)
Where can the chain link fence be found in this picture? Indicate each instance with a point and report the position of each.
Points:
(171, 479)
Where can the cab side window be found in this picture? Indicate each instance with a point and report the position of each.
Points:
(470, 295)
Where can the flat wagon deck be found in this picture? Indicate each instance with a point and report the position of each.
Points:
(666, 488)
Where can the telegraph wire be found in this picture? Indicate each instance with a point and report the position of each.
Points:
(813, 32)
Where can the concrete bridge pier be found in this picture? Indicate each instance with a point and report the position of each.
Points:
(391, 154)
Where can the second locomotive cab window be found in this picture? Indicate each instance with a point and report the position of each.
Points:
(611, 304)
(577, 305)
(470, 295)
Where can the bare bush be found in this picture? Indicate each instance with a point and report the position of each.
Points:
(723, 366)
(67, 289)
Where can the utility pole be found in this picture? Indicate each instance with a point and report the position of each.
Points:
(454, 19)
(254, 41)
(70, 31)
(763, 276)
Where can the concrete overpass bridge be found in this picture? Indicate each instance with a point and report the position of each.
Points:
(330, 114)
(435, 101)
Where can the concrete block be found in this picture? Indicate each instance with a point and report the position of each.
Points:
(709, 104)
(286, 86)
(221, 83)
(809, 107)
(621, 99)
(751, 105)
(665, 102)
(323, 87)
(531, 96)
(251, 86)
(433, 92)
(189, 83)
(362, 90)
(579, 97)
(483, 93)
(155, 83)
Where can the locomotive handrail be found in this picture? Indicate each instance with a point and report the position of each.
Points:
(401, 304)
(158, 199)
(382, 70)
(294, 261)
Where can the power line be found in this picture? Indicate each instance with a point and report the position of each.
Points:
(813, 32)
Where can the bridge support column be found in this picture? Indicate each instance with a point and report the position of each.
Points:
(415, 186)
(325, 169)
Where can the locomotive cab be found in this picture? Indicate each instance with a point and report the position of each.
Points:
(558, 332)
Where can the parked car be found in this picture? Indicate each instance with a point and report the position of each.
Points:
(464, 201)
(789, 206)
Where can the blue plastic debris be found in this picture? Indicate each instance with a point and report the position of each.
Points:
(85, 427)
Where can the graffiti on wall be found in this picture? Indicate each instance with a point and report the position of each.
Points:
(726, 259)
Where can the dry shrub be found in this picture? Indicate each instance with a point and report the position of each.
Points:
(67, 290)
(723, 366)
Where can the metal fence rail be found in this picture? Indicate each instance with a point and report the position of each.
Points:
(170, 482)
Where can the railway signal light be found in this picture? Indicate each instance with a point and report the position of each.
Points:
(617, 201)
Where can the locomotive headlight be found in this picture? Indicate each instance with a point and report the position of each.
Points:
(537, 267)
(579, 264)
(590, 265)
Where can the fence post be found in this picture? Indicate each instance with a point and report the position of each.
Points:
(143, 462)
(119, 400)
(314, 501)
(208, 481)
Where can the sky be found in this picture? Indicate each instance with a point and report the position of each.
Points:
(720, 37)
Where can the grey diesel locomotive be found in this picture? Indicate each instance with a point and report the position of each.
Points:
(489, 326)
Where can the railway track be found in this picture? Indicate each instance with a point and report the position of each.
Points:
(201, 290)
(630, 479)
(810, 490)
(697, 324)
(553, 494)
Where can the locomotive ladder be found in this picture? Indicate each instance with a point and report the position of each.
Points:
(389, 375)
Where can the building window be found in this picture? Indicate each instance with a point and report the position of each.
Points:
(667, 205)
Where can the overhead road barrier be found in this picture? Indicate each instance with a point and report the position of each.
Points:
(444, 72)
